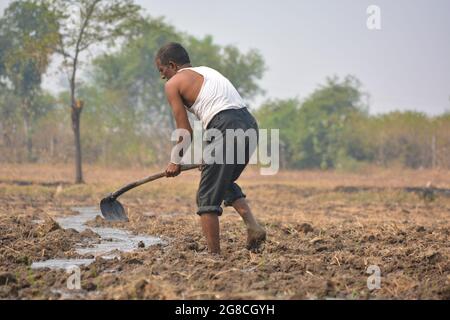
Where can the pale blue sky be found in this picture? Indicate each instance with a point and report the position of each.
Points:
(405, 65)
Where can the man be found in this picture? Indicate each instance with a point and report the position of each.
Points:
(217, 104)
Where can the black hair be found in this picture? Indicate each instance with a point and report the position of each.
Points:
(173, 52)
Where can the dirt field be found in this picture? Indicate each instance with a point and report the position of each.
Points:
(324, 230)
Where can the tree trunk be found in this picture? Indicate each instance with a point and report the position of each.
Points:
(76, 113)
(27, 130)
(53, 143)
(9, 147)
(28, 138)
(433, 152)
(15, 143)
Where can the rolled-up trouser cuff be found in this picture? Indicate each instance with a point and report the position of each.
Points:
(229, 202)
(233, 193)
(210, 209)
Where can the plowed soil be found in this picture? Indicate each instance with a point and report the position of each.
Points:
(324, 231)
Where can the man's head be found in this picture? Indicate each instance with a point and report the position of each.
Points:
(170, 58)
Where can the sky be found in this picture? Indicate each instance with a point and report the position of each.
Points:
(403, 66)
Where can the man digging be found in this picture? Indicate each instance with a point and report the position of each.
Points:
(217, 104)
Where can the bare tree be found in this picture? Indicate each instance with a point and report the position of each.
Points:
(85, 24)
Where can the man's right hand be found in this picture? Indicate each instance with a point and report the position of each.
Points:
(173, 169)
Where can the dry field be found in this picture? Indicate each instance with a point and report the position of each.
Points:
(324, 230)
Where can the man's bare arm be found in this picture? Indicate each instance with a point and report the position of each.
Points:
(178, 109)
(181, 119)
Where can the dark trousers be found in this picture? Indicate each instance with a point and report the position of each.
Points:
(217, 183)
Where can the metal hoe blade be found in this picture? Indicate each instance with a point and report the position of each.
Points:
(112, 210)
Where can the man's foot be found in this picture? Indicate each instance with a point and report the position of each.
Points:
(255, 237)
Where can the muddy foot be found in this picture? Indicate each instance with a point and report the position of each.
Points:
(255, 238)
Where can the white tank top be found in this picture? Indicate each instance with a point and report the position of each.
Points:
(216, 94)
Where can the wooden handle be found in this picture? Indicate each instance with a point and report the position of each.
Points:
(137, 183)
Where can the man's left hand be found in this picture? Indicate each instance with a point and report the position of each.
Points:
(173, 170)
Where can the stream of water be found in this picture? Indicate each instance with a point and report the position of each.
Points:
(112, 241)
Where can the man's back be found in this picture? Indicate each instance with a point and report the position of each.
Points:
(207, 92)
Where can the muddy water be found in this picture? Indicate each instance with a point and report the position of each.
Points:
(111, 243)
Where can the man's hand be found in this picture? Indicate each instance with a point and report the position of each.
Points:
(173, 170)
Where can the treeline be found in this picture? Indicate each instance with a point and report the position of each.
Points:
(126, 120)
(332, 129)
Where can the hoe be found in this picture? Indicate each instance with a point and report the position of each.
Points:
(113, 210)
